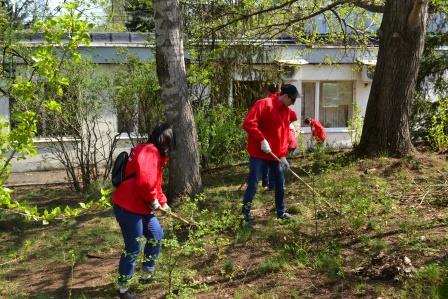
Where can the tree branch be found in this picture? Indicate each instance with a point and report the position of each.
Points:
(370, 6)
(247, 16)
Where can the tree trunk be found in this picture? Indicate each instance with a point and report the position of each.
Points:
(185, 177)
(402, 36)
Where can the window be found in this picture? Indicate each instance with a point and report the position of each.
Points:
(333, 101)
(49, 123)
(308, 100)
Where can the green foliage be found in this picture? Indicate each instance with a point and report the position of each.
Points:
(137, 97)
(438, 133)
(221, 137)
(45, 60)
(140, 16)
(210, 233)
(430, 281)
(15, 143)
(272, 264)
(79, 115)
(355, 125)
(47, 215)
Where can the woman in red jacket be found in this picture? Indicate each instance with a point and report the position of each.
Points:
(134, 201)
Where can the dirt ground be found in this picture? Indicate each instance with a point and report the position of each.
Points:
(37, 178)
(417, 229)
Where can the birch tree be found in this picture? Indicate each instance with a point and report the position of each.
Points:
(184, 175)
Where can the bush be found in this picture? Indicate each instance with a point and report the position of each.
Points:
(221, 138)
(438, 133)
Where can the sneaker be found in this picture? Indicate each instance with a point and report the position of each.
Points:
(285, 216)
(127, 295)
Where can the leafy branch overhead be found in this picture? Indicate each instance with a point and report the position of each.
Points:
(258, 19)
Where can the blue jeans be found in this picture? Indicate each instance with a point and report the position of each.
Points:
(277, 172)
(133, 228)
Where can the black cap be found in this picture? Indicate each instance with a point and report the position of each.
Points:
(290, 90)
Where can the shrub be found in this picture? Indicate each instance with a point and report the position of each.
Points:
(438, 133)
(221, 137)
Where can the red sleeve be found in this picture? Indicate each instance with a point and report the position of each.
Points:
(292, 115)
(147, 169)
(250, 124)
(292, 139)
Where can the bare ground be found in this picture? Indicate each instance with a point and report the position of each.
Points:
(417, 230)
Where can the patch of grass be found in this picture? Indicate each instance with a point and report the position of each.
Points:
(272, 264)
(360, 289)
(330, 264)
(298, 252)
(246, 293)
(430, 281)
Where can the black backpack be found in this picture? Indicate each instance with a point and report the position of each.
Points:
(119, 169)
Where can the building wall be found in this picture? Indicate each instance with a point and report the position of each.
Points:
(107, 50)
(342, 72)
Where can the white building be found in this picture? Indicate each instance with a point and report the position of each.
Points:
(331, 79)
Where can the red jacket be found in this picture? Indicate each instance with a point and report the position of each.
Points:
(268, 119)
(318, 130)
(292, 144)
(134, 194)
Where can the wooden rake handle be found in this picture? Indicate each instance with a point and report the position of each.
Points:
(171, 214)
(305, 183)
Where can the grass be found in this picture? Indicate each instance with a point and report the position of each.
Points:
(380, 208)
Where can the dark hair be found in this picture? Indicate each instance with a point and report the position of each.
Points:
(272, 87)
(307, 120)
(163, 138)
(291, 91)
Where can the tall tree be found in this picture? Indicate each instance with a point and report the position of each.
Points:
(185, 176)
(401, 35)
(387, 119)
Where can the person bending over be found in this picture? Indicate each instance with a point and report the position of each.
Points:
(134, 202)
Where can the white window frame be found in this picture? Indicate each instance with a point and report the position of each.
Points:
(317, 103)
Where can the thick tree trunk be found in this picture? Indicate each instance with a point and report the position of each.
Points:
(185, 176)
(402, 35)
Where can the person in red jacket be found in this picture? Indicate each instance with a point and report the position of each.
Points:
(134, 202)
(267, 126)
(317, 130)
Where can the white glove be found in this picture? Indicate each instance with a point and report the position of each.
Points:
(285, 162)
(166, 208)
(155, 205)
(265, 146)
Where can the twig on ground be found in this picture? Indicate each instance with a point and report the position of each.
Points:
(9, 262)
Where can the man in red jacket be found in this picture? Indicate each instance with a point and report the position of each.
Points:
(317, 130)
(267, 126)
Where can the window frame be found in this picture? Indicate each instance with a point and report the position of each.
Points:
(317, 103)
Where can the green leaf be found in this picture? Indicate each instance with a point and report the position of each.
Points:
(52, 105)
